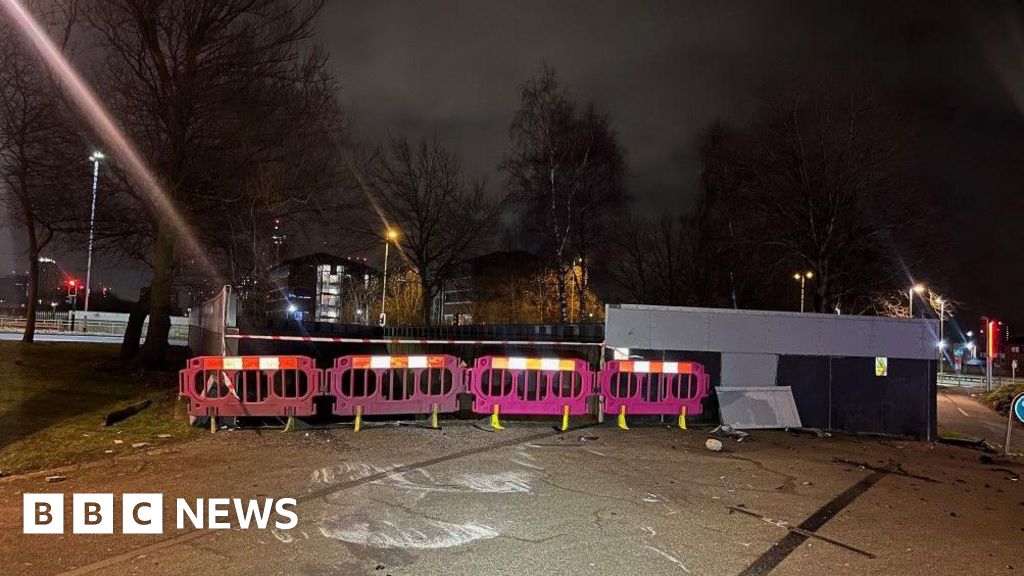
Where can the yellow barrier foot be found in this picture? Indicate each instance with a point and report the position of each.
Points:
(565, 419)
(622, 418)
(359, 419)
(213, 424)
(433, 417)
(682, 418)
(495, 422)
(288, 427)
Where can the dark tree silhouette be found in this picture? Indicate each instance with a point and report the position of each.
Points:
(40, 150)
(567, 172)
(440, 220)
(817, 183)
(205, 89)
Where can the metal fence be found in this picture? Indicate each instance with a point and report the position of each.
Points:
(62, 323)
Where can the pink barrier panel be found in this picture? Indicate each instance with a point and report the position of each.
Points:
(653, 387)
(250, 385)
(530, 386)
(396, 384)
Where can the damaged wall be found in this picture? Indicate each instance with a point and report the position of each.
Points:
(828, 360)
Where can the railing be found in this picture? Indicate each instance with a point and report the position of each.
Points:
(972, 381)
(83, 326)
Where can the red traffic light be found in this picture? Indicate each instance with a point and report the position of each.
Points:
(71, 282)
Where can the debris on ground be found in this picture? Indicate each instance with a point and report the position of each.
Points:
(119, 415)
(713, 444)
(140, 444)
(164, 436)
(588, 438)
(726, 431)
(815, 431)
(118, 441)
(56, 478)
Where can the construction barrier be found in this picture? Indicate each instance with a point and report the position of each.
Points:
(379, 385)
(530, 386)
(653, 388)
(250, 386)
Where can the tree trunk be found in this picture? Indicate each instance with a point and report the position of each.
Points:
(426, 301)
(563, 297)
(153, 354)
(133, 331)
(33, 288)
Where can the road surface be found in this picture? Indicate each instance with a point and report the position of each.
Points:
(409, 501)
(960, 412)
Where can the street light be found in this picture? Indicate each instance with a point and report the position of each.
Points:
(389, 237)
(95, 158)
(803, 278)
(942, 340)
(919, 288)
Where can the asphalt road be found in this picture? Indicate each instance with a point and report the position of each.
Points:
(408, 501)
(961, 412)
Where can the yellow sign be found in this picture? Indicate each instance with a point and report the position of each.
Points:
(881, 366)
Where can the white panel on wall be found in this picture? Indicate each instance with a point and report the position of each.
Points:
(847, 336)
(745, 370)
(791, 332)
(761, 332)
(738, 332)
(627, 328)
(679, 330)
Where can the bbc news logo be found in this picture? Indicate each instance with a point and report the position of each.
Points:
(144, 513)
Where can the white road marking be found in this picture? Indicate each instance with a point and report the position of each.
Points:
(669, 557)
(386, 534)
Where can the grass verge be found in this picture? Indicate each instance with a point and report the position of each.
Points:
(54, 399)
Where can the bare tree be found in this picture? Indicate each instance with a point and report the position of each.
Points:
(180, 76)
(821, 185)
(891, 303)
(440, 219)
(38, 145)
(567, 171)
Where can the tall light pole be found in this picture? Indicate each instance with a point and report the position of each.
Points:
(803, 278)
(389, 237)
(918, 288)
(942, 338)
(95, 158)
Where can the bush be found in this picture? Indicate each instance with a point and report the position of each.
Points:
(1001, 397)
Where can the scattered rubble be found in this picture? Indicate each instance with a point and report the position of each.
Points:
(726, 431)
(713, 444)
(56, 478)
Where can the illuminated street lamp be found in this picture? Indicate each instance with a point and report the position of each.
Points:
(919, 289)
(942, 340)
(803, 278)
(95, 158)
(389, 237)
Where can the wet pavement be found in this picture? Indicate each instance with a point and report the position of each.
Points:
(528, 500)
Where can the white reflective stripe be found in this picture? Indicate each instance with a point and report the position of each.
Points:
(233, 363)
(380, 361)
(418, 362)
(549, 364)
(643, 367)
(517, 363)
(268, 363)
(670, 368)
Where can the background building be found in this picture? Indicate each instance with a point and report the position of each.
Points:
(321, 287)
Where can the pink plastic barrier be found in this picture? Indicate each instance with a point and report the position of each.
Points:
(250, 385)
(530, 386)
(396, 384)
(653, 387)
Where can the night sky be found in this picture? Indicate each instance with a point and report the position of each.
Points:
(665, 70)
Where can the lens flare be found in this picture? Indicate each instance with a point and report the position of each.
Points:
(113, 137)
